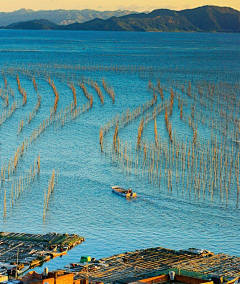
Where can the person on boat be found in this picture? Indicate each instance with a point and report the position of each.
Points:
(130, 191)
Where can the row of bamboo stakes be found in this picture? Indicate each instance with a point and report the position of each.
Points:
(51, 83)
(4, 96)
(21, 90)
(34, 83)
(95, 85)
(88, 95)
(70, 113)
(140, 130)
(20, 185)
(31, 115)
(108, 89)
(8, 112)
(83, 87)
(51, 184)
(157, 89)
(5, 81)
(6, 91)
(74, 94)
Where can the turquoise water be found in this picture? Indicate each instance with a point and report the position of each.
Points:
(82, 201)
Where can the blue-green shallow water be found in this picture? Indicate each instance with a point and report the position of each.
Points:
(82, 202)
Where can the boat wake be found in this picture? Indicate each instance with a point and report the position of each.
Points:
(149, 199)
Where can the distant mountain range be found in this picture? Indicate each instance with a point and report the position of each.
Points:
(201, 19)
(60, 17)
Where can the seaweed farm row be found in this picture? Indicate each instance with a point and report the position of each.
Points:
(156, 261)
(20, 251)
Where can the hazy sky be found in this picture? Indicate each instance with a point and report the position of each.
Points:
(137, 5)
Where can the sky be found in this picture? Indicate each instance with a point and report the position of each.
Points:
(103, 5)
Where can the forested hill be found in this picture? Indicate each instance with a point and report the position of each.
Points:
(201, 19)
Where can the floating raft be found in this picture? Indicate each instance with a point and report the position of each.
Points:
(34, 249)
(140, 263)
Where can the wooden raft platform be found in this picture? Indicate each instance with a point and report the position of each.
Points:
(34, 249)
(142, 262)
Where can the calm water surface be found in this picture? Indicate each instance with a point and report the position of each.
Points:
(82, 202)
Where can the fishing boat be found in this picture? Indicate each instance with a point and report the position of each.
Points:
(124, 192)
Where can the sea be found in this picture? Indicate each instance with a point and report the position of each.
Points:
(82, 201)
